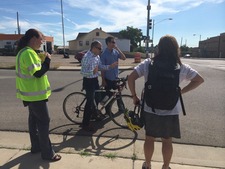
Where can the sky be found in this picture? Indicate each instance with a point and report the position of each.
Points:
(192, 20)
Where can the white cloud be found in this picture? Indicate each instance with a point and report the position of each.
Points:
(119, 14)
(48, 13)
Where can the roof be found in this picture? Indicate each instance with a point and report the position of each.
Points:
(18, 36)
(114, 34)
(10, 36)
(80, 35)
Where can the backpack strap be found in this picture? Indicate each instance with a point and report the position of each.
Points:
(150, 71)
(182, 103)
(142, 109)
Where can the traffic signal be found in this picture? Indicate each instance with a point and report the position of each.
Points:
(150, 24)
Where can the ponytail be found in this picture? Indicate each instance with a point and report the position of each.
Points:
(24, 40)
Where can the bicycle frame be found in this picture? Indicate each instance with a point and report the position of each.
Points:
(114, 94)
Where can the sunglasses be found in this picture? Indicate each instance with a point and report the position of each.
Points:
(113, 42)
(99, 48)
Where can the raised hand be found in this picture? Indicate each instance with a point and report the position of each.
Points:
(95, 69)
(113, 65)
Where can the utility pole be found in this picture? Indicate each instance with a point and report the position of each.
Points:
(18, 25)
(149, 24)
(63, 28)
(181, 41)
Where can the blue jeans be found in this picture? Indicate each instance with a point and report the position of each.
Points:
(39, 129)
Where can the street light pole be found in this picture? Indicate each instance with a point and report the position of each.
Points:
(199, 50)
(200, 36)
(153, 28)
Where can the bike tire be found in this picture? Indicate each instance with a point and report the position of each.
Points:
(118, 116)
(73, 107)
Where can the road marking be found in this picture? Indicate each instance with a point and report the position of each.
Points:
(7, 77)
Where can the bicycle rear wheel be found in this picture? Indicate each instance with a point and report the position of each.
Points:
(73, 107)
(117, 112)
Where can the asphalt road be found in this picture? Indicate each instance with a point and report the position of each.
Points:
(203, 125)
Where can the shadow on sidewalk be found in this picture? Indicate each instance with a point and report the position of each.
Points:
(63, 87)
(27, 161)
(79, 141)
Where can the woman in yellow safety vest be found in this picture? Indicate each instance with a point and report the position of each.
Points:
(33, 88)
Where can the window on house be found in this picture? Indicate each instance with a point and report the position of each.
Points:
(80, 43)
(97, 33)
(8, 43)
(87, 43)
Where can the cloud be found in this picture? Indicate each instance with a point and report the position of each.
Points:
(7, 10)
(48, 13)
(119, 14)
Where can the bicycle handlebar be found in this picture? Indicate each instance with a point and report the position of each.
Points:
(119, 85)
(121, 82)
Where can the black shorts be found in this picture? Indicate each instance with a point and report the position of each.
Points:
(162, 126)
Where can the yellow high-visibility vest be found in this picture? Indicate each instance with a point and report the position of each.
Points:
(28, 87)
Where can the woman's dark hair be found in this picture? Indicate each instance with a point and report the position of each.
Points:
(168, 48)
(26, 38)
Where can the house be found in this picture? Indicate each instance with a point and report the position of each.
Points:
(8, 43)
(60, 49)
(84, 40)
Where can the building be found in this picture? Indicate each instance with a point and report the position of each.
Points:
(213, 47)
(8, 43)
(60, 49)
(84, 40)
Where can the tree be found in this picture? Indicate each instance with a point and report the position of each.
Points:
(184, 49)
(134, 34)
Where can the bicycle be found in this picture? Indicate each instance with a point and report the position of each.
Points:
(73, 104)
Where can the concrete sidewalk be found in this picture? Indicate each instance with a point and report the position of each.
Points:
(87, 152)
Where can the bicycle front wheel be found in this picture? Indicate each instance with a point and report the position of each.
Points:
(118, 107)
(73, 107)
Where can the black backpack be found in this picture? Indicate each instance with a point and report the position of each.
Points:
(162, 89)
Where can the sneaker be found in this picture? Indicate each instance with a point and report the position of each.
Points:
(98, 116)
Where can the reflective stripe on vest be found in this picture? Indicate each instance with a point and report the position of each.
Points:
(33, 93)
(33, 66)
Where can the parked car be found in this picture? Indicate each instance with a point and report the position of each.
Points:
(79, 55)
(187, 55)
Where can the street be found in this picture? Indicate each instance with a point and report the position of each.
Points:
(204, 123)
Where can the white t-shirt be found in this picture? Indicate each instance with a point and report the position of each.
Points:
(186, 73)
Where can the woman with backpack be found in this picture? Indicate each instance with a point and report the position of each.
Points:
(162, 106)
